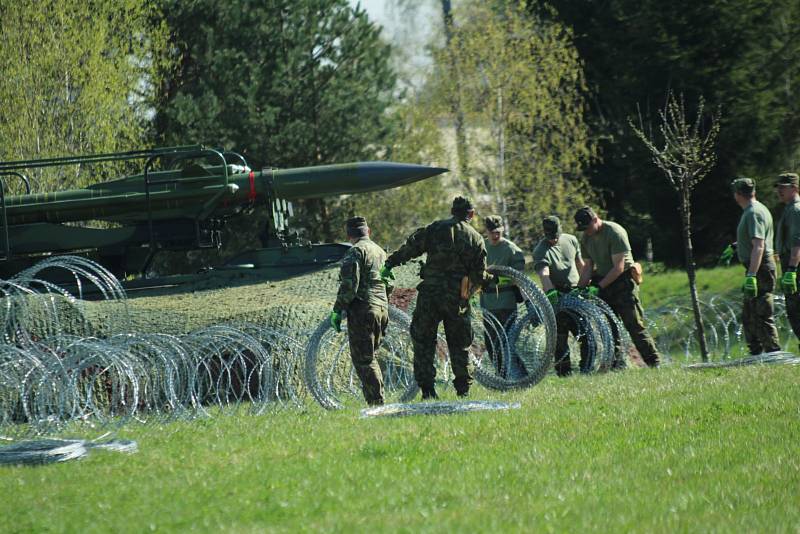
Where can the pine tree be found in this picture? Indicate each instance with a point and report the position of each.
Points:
(287, 83)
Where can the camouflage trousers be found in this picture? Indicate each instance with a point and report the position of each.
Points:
(566, 325)
(434, 307)
(366, 326)
(623, 298)
(758, 313)
(492, 334)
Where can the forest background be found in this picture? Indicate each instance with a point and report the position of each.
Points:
(528, 103)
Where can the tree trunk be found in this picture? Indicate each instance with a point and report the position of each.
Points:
(462, 155)
(500, 185)
(690, 272)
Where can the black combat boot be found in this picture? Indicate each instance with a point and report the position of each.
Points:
(463, 393)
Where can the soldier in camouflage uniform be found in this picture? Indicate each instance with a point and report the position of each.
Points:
(557, 260)
(500, 296)
(456, 262)
(608, 264)
(787, 245)
(754, 249)
(362, 295)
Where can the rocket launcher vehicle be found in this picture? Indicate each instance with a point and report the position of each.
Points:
(180, 201)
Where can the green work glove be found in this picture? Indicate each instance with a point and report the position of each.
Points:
(591, 291)
(553, 297)
(336, 320)
(386, 275)
(576, 292)
(503, 281)
(727, 254)
(750, 287)
(789, 281)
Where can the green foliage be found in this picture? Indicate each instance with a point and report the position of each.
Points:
(393, 214)
(77, 78)
(637, 451)
(520, 88)
(289, 83)
(741, 55)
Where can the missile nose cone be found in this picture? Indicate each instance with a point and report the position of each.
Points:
(384, 175)
(361, 177)
(434, 171)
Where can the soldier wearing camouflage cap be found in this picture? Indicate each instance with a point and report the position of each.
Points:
(557, 261)
(610, 273)
(754, 249)
(500, 296)
(787, 244)
(363, 296)
(455, 264)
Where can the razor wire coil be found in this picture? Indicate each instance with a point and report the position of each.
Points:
(527, 345)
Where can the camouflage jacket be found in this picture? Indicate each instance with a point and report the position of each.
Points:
(359, 277)
(454, 250)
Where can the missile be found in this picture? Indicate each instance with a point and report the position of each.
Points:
(200, 192)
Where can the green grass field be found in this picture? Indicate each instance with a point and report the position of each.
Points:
(664, 286)
(668, 450)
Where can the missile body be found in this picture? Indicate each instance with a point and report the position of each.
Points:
(198, 192)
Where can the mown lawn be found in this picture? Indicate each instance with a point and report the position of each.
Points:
(667, 285)
(669, 450)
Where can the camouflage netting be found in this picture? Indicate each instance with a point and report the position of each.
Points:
(294, 305)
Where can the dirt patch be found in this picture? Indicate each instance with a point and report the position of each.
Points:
(403, 298)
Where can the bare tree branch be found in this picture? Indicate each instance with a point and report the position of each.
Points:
(685, 159)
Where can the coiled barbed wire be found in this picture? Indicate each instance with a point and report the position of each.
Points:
(34, 308)
(593, 331)
(45, 451)
(60, 368)
(527, 345)
(673, 328)
(331, 378)
(67, 380)
(780, 357)
(436, 408)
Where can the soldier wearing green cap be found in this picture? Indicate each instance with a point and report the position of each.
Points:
(610, 273)
(454, 267)
(363, 297)
(787, 244)
(557, 260)
(754, 249)
(500, 295)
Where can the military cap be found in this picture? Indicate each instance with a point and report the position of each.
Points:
(356, 226)
(584, 217)
(551, 226)
(462, 204)
(493, 222)
(743, 186)
(788, 178)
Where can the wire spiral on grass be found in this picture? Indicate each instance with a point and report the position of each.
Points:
(593, 331)
(780, 357)
(331, 378)
(527, 345)
(673, 328)
(61, 368)
(436, 408)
